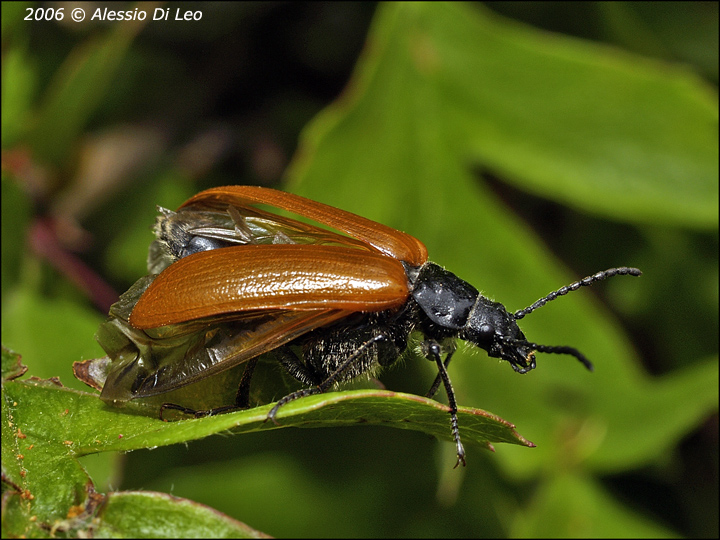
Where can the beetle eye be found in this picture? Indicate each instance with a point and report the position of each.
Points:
(486, 332)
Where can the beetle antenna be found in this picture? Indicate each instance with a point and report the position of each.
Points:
(562, 349)
(622, 271)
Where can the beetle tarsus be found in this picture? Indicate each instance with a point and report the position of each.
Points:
(197, 413)
(458, 443)
(291, 397)
(175, 407)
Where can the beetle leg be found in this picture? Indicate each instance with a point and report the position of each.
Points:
(291, 397)
(197, 413)
(242, 398)
(434, 351)
(174, 407)
(296, 367)
(328, 383)
(436, 384)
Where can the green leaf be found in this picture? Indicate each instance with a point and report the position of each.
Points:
(47, 427)
(91, 426)
(77, 89)
(16, 210)
(48, 332)
(575, 506)
(159, 515)
(18, 90)
(451, 85)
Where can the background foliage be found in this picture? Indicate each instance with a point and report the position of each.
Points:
(524, 154)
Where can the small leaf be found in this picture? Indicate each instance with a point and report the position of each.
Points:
(148, 514)
(12, 367)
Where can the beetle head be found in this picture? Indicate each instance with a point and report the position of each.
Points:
(492, 328)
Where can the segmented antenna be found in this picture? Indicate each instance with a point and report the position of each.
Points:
(622, 271)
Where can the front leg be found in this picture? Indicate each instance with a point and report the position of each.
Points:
(434, 350)
(449, 347)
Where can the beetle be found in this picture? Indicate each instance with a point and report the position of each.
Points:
(230, 282)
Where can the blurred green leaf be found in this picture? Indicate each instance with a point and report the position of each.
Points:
(584, 124)
(77, 89)
(555, 508)
(12, 17)
(158, 515)
(16, 215)
(19, 86)
(47, 332)
(639, 425)
(265, 480)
